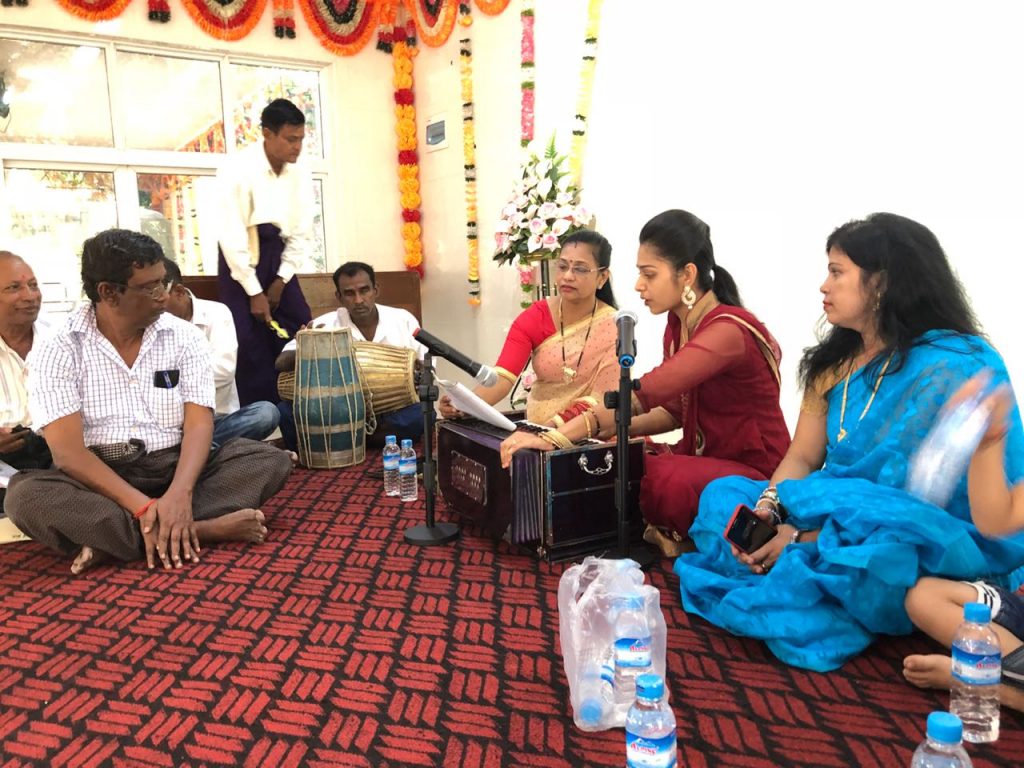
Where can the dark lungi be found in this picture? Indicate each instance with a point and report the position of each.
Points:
(258, 346)
(61, 513)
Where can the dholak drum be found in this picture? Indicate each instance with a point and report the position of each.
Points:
(387, 374)
(330, 412)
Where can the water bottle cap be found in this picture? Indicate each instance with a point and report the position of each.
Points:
(650, 686)
(406, 443)
(979, 613)
(945, 727)
(391, 440)
(591, 712)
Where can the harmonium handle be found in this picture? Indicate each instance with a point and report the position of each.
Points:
(609, 459)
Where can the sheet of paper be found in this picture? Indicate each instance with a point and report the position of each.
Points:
(471, 405)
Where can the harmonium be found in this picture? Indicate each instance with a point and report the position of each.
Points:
(560, 503)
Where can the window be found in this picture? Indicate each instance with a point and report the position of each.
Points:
(57, 94)
(104, 135)
(175, 103)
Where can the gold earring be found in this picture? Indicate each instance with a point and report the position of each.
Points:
(689, 297)
(878, 302)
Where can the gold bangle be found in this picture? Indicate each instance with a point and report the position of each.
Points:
(557, 439)
(586, 420)
(559, 421)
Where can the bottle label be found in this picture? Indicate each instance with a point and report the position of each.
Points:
(633, 652)
(407, 466)
(976, 668)
(651, 753)
(390, 462)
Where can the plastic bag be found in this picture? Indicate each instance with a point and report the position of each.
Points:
(588, 596)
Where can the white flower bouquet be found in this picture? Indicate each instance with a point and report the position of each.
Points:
(545, 209)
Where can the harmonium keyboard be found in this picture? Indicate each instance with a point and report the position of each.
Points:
(560, 503)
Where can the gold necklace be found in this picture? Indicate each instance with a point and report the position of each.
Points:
(841, 435)
(568, 374)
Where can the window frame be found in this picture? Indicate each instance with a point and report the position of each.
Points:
(126, 163)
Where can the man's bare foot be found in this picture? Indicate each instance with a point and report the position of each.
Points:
(931, 670)
(88, 558)
(294, 457)
(243, 525)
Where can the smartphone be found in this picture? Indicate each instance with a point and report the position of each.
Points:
(747, 531)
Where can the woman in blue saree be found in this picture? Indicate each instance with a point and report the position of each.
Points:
(850, 540)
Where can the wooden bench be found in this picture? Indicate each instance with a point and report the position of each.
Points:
(397, 289)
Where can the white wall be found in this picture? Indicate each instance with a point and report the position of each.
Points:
(776, 122)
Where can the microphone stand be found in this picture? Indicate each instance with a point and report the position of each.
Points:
(432, 533)
(622, 402)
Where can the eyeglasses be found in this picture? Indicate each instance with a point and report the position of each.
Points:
(153, 291)
(577, 269)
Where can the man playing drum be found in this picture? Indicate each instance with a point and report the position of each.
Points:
(356, 291)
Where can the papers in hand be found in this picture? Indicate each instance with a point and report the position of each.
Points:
(471, 405)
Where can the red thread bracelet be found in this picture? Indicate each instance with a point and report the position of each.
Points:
(143, 509)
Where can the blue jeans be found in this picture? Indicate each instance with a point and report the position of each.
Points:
(255, 421)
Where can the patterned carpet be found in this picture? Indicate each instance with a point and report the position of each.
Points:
(335, 644)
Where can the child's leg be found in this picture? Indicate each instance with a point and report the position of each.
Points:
(936, 606)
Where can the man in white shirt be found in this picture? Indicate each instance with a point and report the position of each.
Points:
(20, 330)
(356, 291)
(265, 235)
(124, 396)
(255, 421)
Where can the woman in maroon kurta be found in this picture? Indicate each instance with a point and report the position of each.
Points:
(719, 380)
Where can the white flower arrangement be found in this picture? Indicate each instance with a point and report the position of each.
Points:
(545, 209)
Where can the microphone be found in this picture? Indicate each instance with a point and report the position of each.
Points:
(483, 374)
(625, 348)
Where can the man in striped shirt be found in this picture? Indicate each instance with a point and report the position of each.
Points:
(20, 330)
(124, 396)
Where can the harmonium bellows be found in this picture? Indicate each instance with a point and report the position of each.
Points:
(560, 503)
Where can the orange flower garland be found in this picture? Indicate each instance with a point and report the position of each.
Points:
(492, 7)
(402, 54)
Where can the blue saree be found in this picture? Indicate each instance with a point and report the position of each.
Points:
(823, 602)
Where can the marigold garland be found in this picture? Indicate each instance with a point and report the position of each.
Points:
(492, 7)
(231, 20)
(159, 11)
(402, 53)
(526, 100)
(469, 153)
(343, 27)
(284, 18)
(435, 19)
(95, 10)
(579, 129)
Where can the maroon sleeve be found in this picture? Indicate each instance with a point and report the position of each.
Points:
(712, 350)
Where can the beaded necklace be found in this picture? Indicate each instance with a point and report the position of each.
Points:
(841, 435)
(568, 374)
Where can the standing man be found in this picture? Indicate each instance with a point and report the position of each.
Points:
(266, 233)
(255, 421)
(356, 290)
(124, 396)
(20, 330)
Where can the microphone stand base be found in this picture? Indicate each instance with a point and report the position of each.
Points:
(431, 535)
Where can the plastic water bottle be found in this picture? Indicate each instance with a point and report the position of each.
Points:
(942, 748)
(596, 689)
(632, 648)
(391, 451)
(942, 459)
(651, 727)
(407, 472)
(977, 668)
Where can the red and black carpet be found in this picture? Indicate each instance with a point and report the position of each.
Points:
(336, 644)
